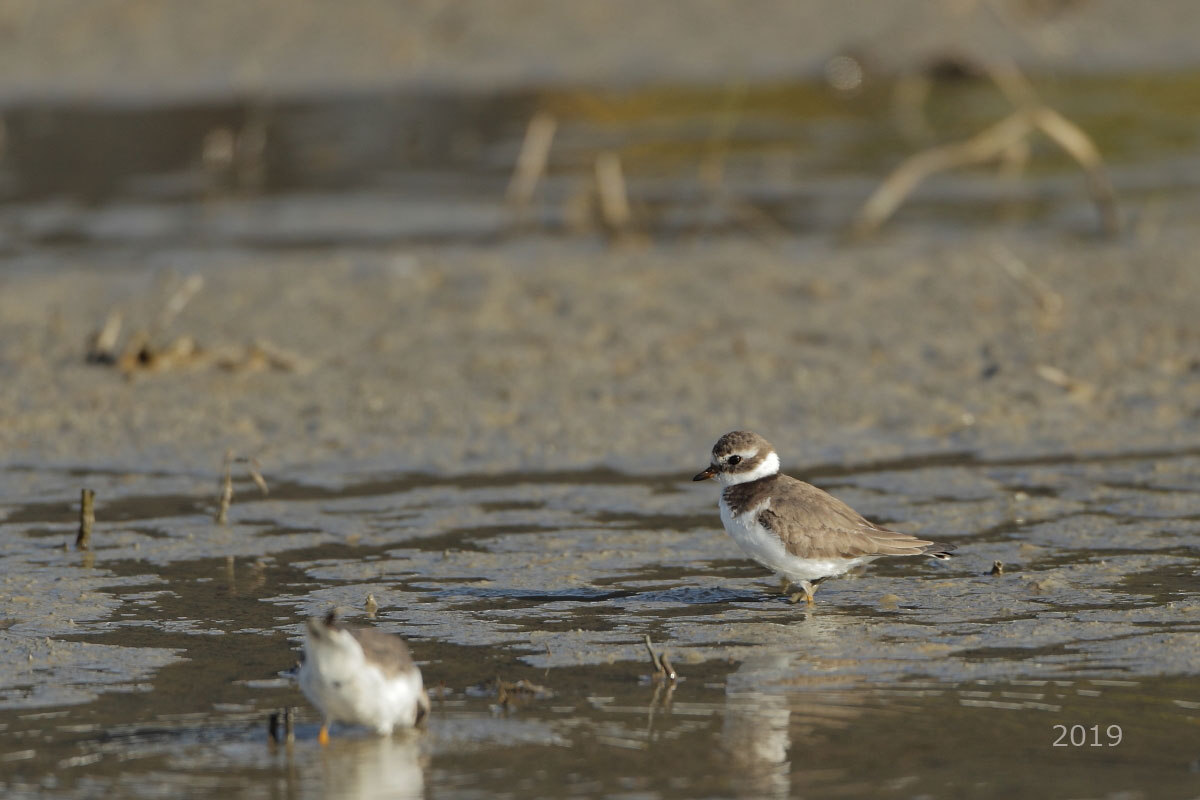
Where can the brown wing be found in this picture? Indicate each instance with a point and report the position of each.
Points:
(814, 524)
(385, 649)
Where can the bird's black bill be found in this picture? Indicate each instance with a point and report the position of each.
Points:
(703, 476)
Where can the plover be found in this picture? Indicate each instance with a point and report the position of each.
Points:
(792, 528)
(361, 676)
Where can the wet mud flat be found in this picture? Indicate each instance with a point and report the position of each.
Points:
(148, 666)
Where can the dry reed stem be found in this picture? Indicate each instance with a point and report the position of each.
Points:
(980, 148)
(532, 160)
(87, 518)
(1079, 390)
(178, 300)
(1048, 300)
(662, 665)
(1071, 138)
(102, 349)
(1054, 375)
(226, 491)
(254, 468)
(610, 185)
(226, 499)
(1005, 141)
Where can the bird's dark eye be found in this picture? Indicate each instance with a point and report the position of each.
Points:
(734, 461)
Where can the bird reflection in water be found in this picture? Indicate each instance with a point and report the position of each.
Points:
(778, 706)
(369, 767)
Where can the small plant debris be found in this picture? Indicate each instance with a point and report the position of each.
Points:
(149, 349)
(664, 672)
(226, 496)
(509, 695)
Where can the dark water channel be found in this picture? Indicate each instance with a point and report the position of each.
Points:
(148, 668)
(387, 166)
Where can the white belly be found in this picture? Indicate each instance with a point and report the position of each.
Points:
(360, 694)
(765, 547)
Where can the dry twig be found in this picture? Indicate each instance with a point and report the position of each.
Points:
(1048, 300)
(1078, 389)
(980, 148)
(262, 355)
(532, 160)
(226, 497)
(177, 302)
(87, 517)
(144, 351)
(102, 345)
(1004, 142)
(610, 185)
(509, 695)
(662, 665)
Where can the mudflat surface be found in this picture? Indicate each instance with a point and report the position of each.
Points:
(543, 355)
(149, 665)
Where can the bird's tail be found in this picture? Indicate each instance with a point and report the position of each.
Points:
(939, 551)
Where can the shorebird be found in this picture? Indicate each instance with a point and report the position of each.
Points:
(360, 676)
(792, 528)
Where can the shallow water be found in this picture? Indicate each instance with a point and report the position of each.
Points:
(148, 667)
(381, 167)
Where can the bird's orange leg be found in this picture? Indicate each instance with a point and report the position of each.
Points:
(808, 589)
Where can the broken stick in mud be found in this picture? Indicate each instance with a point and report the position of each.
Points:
(225, 499)
(662, 665)
(87, 518)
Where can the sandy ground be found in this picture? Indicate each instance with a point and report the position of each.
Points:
(542, 355)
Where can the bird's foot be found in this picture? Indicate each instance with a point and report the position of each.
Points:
(323, 736)
(808, 590)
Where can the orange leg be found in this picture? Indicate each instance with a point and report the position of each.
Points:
(323, 736)
(808, 590)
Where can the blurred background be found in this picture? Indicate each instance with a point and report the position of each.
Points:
(542, 232)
